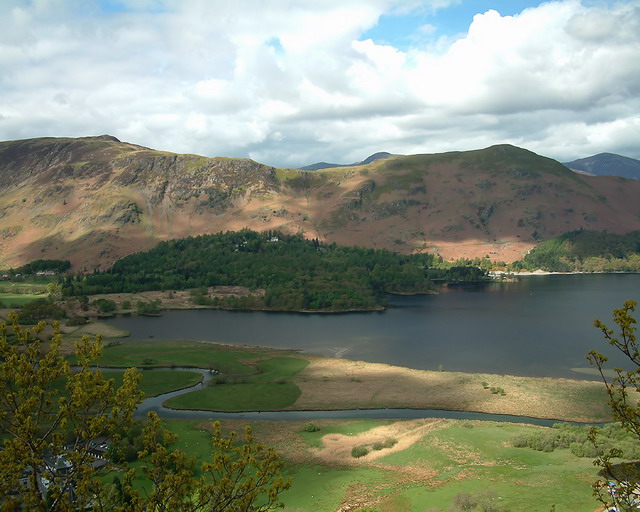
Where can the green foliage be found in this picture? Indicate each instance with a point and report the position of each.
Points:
(104, 305)
(37, 417)
(486, 501)
(54, 291)
(152, 307)
(32, 267)
(52, 419)
(310, 427)
(40, 309)
(586, 251)
(389, 442)
(241, 475)
(131, 443)
(623, 391)
(359, 451)
(76, 321)
(579, 440)
(295, 274)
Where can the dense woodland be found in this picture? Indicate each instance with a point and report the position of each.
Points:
(35, 266)
(295, 274)
(585, 251)
(292, 273)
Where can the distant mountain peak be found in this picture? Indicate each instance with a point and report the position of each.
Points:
(607, 164)
(324, 165)
(92, 200)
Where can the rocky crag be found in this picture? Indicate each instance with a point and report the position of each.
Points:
(94, 199)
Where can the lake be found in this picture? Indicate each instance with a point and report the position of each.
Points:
(538, 326)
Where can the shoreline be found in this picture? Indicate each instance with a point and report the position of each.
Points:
(508, 412)
(499, 273)
(329, 384)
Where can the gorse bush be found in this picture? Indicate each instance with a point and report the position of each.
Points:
(576, 438)
(387, 443)
(359, 451)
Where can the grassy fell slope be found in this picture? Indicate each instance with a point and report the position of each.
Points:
(92, 200)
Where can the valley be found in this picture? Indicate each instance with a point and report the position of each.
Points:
(427, 335)
(407, 464)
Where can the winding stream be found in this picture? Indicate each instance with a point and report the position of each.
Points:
(156, 404)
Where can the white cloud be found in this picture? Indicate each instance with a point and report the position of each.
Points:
(289, 82)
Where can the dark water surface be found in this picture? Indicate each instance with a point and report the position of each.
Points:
(539, 326)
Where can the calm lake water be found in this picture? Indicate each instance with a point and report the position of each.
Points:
(539, 326)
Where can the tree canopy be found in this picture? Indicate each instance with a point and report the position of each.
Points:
(295, 273)
(586, 251)
(53, 415)
(621, 484)
(44, 265)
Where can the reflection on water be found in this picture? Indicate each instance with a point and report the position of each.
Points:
(540, 326)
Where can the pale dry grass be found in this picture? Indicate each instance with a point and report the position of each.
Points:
(342, 384)
(336, 448)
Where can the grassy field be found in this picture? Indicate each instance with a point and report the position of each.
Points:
(249, 379)
(269, 388)
(16, 293)
(292, 381)
(423, 465)
(430, 466)
(157, 382)
(233, 362)
(337, 383)
(15, 300)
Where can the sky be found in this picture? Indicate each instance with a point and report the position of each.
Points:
(293, 82)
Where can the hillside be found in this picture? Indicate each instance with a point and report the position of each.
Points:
(587, 251)
(608, 164)
(93, 200)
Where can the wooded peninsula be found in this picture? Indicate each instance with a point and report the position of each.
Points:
(295, 273)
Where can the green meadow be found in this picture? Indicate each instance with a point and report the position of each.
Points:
(15, 300)
(424, 465)
(455, 462)
(156, 382)
(247, 379)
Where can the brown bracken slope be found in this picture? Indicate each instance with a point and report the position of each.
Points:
(93, 200)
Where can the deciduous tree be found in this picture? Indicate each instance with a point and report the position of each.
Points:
(44, 403)
(620, 486)
(52, 413)
(241, 476)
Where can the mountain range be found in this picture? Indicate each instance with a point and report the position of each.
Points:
(608, 164)
(324, 165)
(93, 200)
